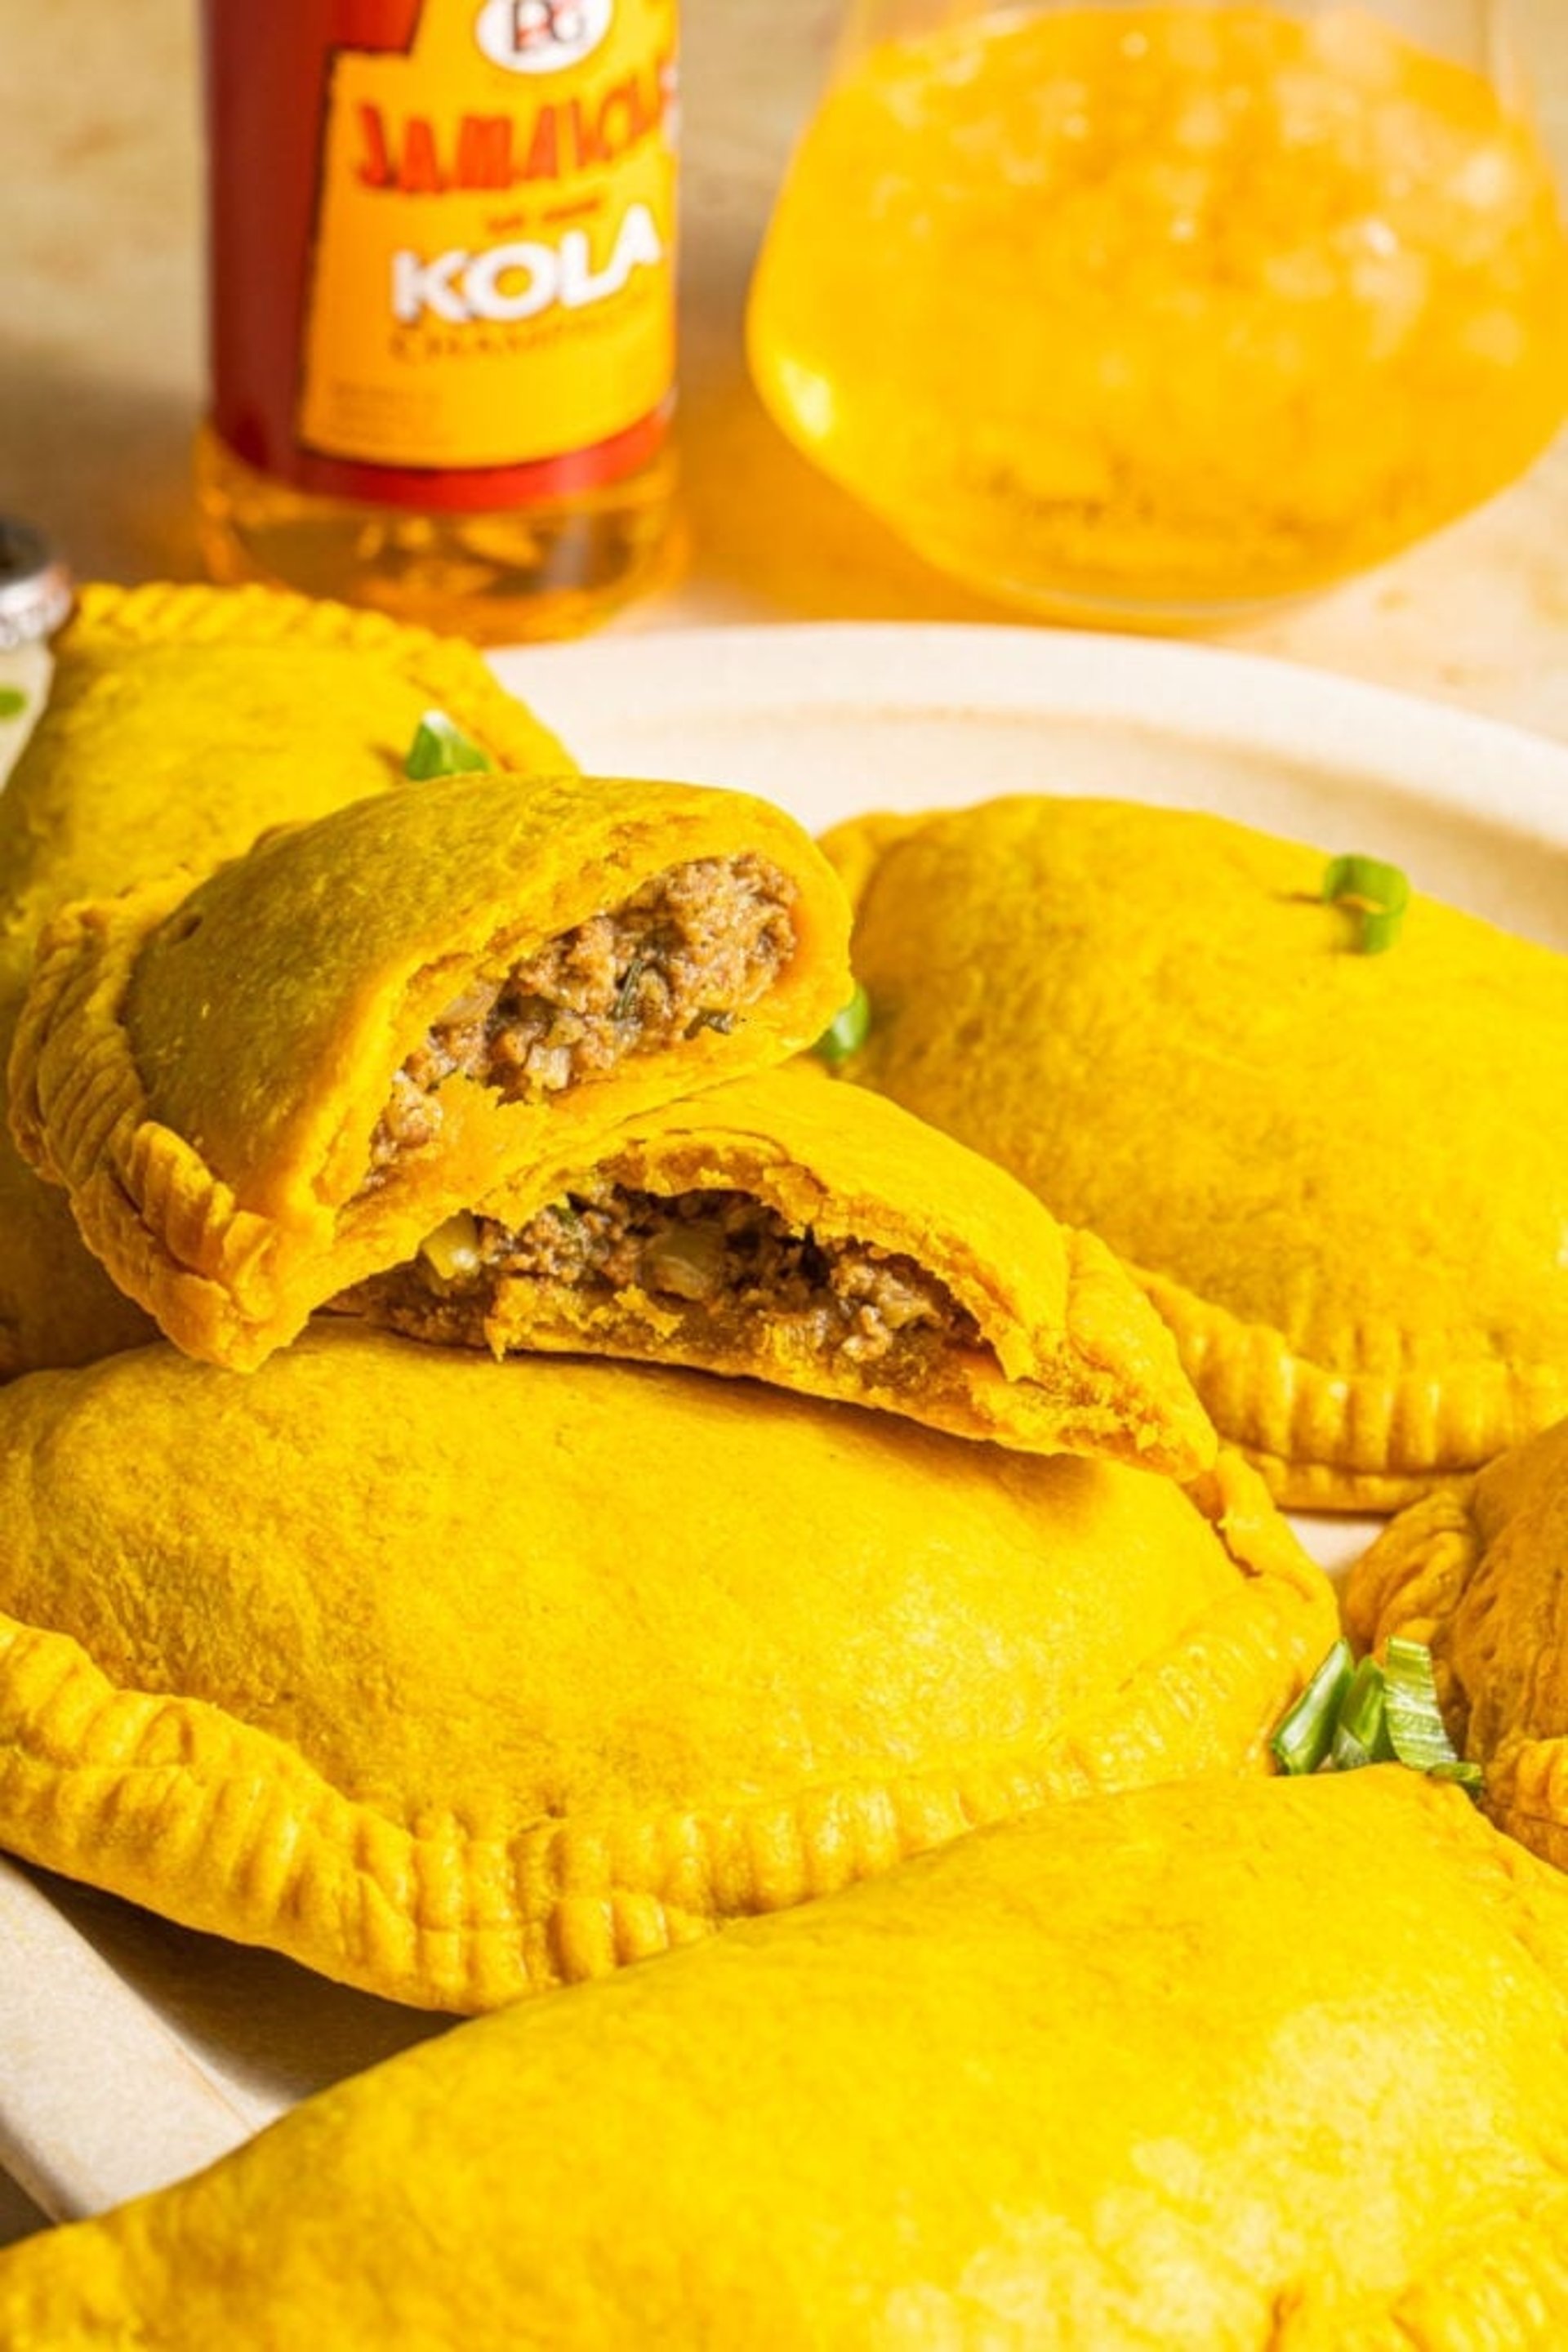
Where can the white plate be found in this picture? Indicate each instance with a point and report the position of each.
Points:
(131, 2050)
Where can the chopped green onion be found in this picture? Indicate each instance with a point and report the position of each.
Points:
(1306, 1735)
(441, 748)
(846, 1032)
(1378, 892)
(12, 702)
(1414, 1722)
(1361, 1735)
(1372, 1714)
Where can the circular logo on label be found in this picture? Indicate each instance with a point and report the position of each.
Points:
(542, 35)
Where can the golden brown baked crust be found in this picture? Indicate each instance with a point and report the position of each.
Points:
(207, 1070)
(1478, 1574)
(457, 1684)
(1170, 2071)
(184, 720)
(873, 1260)
(180, 722)
(1342, 1178)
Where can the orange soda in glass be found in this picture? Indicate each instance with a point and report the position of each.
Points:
(1144, 315)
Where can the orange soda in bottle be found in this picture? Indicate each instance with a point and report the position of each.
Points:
(442, 305)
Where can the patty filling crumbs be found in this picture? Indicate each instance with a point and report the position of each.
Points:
(691, 949)
(721, 1260)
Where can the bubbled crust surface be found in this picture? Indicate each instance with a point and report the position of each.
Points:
(1162, 2072)
(1342, 1178)
(1078, 1361)
(204, 1073)
(1481, 1576)
(180, 722)
(457, 1682)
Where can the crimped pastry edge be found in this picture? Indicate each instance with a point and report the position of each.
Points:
(1323, 1440)
(1499, 2285)
(228, 1281)
(1409, 1585)
(175, 1804)
(168, 1230)
(1329, 1440)
(173, 1234)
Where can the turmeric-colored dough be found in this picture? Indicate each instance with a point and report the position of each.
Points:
(180, 722)
(1342, 1178)
(1481, 1575)
(1204, 2069)
(819, 1238)
(257, 1091)
(457, 1682)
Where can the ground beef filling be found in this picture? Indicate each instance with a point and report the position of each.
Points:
(724, 1255)
(691, 949)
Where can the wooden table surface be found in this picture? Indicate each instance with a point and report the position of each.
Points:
(101, 371)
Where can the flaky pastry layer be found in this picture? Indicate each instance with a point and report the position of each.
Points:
(221, 1076)
(180, 722)
(817, 1237)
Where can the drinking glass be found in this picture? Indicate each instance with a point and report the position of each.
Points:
(1146, 315)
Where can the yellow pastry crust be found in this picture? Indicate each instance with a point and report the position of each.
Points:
(204, 1068)
(184, 720)
(457, 1685)
(1478, 1574)
(1018, 1329)
(1170, 2071)
(1341, 1178)
(180, 722)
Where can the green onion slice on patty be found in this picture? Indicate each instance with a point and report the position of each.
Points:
(846, 1032)
(441, 748)
(1361, 1735)
(1378, 892)
(1350, 1715)
(1306, 1735)
(1414, 1722)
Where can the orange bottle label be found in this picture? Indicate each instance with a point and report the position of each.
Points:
(492, 276)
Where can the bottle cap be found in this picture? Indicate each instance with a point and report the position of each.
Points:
(34, 585)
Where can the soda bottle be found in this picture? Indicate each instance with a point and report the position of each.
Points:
(442, 304)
